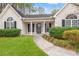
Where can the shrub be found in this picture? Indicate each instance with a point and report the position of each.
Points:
(47, 37)
(57, 32)
(44, 36)
(63, 43)
(72, 35)
(9, 32)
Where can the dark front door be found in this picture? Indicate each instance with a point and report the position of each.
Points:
(38, 28)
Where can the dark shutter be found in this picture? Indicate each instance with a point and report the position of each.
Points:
(14, 24)
(63, 23)
(4, 24)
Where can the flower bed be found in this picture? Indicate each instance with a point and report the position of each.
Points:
(68, 44)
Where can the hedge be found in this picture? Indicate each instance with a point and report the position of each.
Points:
(9, 32)
(72, 35)
(57, 32)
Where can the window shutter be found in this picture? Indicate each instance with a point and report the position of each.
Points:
(4, 24)
(63, 23)
(14, 24)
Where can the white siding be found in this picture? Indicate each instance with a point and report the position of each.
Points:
(69, 9)
(11, 13)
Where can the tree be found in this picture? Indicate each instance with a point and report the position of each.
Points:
(3, 5)
(54, 11)
(29, 6)
(40, 10)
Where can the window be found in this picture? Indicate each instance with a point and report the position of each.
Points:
(74, 23)
(71, 16)
(68, 23)
(49, 25)
(33, 27)
(71, 23)
(63, 22)
(29, 28)
(78, 23)
(9, 24)
(46, 27)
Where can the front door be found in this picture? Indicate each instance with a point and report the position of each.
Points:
(38, 28)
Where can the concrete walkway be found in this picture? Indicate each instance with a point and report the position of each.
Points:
(51, 49)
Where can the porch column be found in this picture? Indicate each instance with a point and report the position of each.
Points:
(31, 28)
(43, 28)
(35, 28)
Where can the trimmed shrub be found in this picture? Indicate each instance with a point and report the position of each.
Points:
(9, 32)
(57, 32)
(72, 35)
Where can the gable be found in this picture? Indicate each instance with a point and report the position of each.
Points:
(60, 10)
(68, 9)
(9, 11)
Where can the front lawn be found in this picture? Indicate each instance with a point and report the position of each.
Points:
(19, 46)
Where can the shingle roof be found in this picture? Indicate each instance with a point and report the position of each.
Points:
(32, 16)
(38, 15)
(76, 4)
(21, 14)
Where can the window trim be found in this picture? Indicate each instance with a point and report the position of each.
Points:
(75, 24)
(71, 22)
(11, 23)
(66, 24)
(71, 16)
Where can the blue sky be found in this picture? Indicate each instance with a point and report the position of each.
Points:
(49, 6)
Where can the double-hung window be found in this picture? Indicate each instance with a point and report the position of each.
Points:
(67, 23)
(74, 23)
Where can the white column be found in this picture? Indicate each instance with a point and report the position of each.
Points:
(43, 28)
(35, 28)
(31, 28)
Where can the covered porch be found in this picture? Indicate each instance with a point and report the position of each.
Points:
(33, 27)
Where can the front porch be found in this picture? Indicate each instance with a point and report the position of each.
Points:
(37, 27)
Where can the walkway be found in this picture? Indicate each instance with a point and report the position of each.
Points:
(51, 49)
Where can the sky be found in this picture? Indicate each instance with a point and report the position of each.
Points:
(49, 6)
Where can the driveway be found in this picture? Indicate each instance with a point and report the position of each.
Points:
(51, 49)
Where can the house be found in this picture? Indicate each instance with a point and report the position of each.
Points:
(29, 24)
(39, 23)
(68, 15)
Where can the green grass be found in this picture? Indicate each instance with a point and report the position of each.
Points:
(19, 46)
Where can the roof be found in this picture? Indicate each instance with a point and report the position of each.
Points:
(76, 4)
(38, 15)
(6, 8)
(33, 15)
(60, 10)
(25, 16)
(21, 14)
